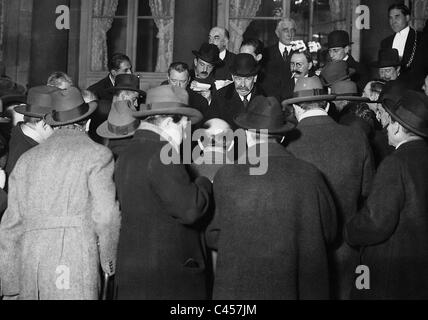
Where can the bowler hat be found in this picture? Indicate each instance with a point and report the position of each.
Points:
(120, 123)
(334, 71)
(39, 102)
(128, 82)
(264, 113)
(168, 100)
(411, 112)
(347, 90)
(388, 57)
(307, 90)
(69, 107)
(244, 65)
(338, 39)
(209, 53)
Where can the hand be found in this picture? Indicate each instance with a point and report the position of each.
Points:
(2, 179)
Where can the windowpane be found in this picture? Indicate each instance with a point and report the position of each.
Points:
(147, 46)
(116, 37)
(144, 8)
(122, 8)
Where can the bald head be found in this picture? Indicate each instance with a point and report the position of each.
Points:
(286, 30)
(219, 37)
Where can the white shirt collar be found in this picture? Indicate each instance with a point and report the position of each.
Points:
(111, 78)
(404, 32)
(223, 55)
(248, 97)
(346, 58)
(283, 47)
(313, 113)
(400, 40)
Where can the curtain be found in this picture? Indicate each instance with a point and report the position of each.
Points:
(339, 11)
(103, 12)
(420, 9)
(2, 19)
(164, 8)
(240, 8)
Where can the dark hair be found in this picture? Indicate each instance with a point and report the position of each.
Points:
(362, 111)
(306, 53)
(255, 43)
(400, 6)
(116, 60)
(179, 67)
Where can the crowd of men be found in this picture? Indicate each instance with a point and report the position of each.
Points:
(93, 211)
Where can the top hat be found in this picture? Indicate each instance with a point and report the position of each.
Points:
(307, 90)
(209, 53)
(128, 82)
(244, 65)
(388, 57)
(168, 100)
(264, 113)
(338, 39)
(334, 71)
(411, 112)
(120, 123)
(69, 107)
(39, 102)
(347, 90)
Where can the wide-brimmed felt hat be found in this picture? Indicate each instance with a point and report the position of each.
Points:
(69, 107)
(264, 113)
(307, 90)
(39, 102)
(334, 71)
(387, 57)
(392, 92)
(244, 65)
(13, 99)
(209, 53)
(168, 100)
(120, 123)
(347, 90)
(338, 39)
(128, 82)
(411, 112)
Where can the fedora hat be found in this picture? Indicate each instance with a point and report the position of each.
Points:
(168, 100)
(128, 82)
(244, 65)
(209, 53)
(13, 99)
(69, 107)
(392, 92)
(39, 102)
(347, 90)
(264, 113)
(387, 57)
(338, 39)
(411, 112)
(120, 123)
(307, 90)
(334, 71)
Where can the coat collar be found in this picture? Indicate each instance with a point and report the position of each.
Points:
(316, 121)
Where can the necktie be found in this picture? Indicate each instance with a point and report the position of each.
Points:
(246, 102)
(285, 55)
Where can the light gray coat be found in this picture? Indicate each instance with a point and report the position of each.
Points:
(62, 222)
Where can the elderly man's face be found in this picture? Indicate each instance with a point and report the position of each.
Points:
(338, 54)
(286, 32)
(389, 73)
(179, 79)
(217, 37)
(299, 65)
(203, 69)
(397, 20)
(244, 85)
(425, 86)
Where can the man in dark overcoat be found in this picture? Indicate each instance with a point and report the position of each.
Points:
(345, 159)
(160, 251)
(391, 227)
(271, 226)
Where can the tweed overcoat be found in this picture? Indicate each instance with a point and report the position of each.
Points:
(160, 254)
(392, 226)
(345, 159)
(62, 202)
(271, 230)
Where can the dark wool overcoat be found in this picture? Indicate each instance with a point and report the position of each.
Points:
(160, 254)
(99, 89)
(222, 72)
(345, 159)
(393, 227)
(271, 230)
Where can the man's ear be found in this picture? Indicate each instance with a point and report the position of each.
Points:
(311, 65)
(195, 62)
(113, 73)
(347, 49)
(255, 79)
(259, 57)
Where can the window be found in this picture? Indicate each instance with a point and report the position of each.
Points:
(143, 29)
(259, 18)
